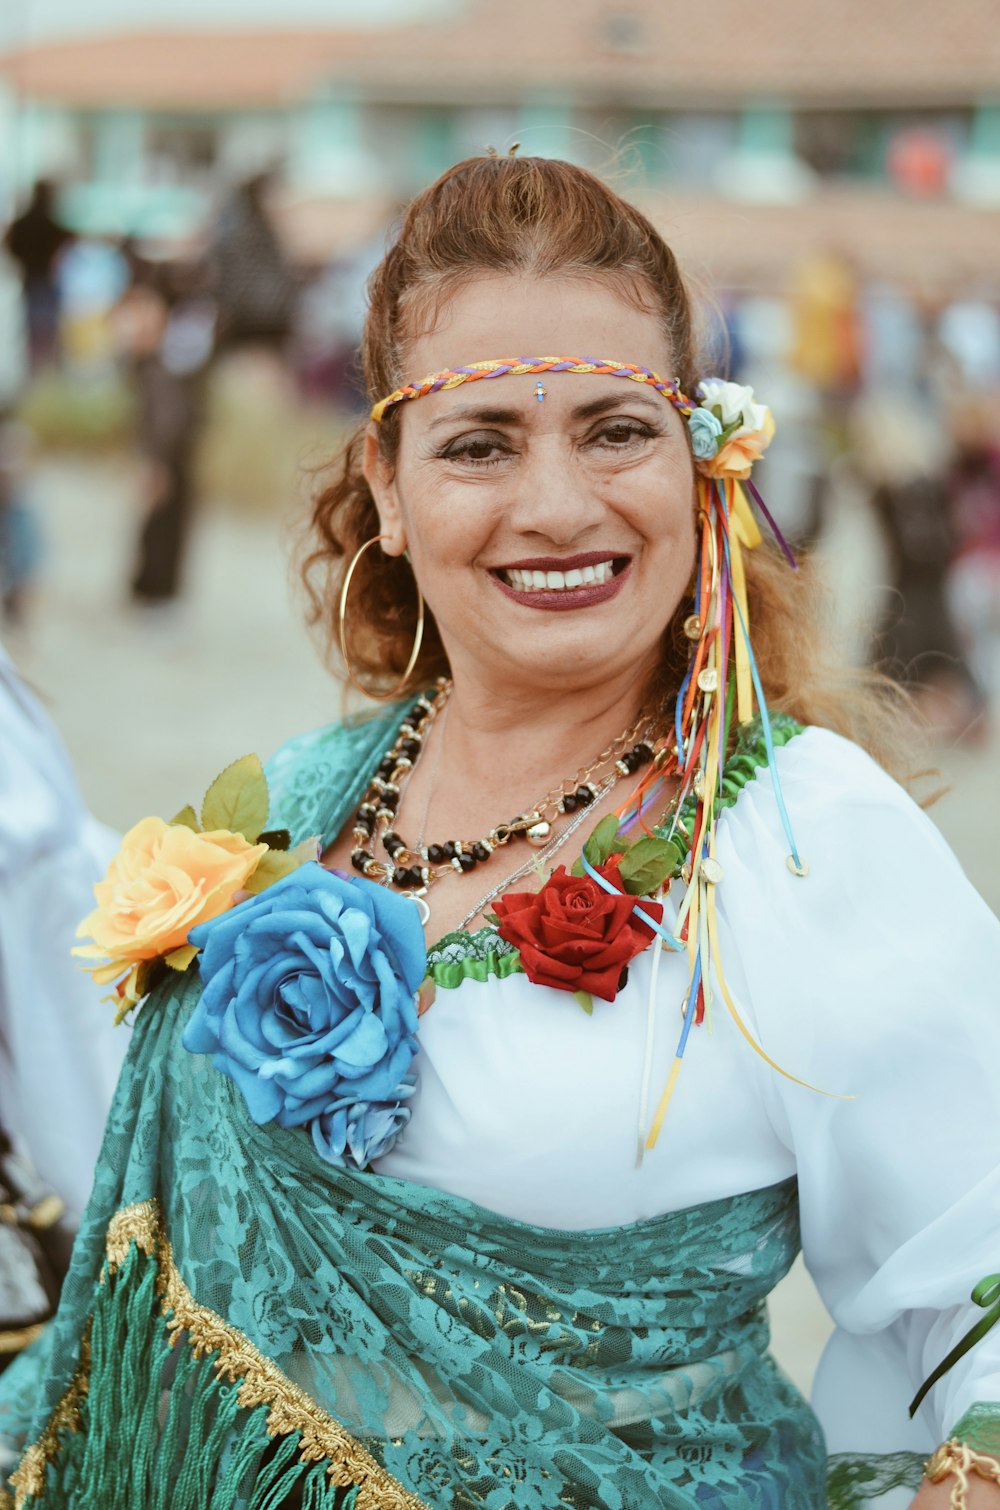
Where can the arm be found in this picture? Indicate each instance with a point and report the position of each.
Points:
(877, 975)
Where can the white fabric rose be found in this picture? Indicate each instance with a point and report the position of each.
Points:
(735, 403)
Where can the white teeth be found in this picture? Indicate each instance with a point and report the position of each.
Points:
(523, 580)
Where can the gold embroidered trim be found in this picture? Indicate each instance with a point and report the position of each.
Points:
(29, 1478)
(261, 1381)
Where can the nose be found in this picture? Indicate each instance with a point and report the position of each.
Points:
(551, 496)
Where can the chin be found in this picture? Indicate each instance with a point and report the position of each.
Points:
(573, 661)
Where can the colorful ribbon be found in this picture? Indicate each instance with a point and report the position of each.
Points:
(453, 377)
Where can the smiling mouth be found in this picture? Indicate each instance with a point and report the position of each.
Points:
(596, 572)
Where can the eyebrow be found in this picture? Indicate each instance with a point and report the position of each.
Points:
(487, 415)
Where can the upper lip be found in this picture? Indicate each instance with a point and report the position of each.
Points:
(561, 563)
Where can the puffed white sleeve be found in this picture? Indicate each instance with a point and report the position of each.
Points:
(877, 976)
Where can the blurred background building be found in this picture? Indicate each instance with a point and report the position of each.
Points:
(874, 128)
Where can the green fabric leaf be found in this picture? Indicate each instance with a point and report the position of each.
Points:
(585, 1000)
(603, 841)
(237, 799)
(186, 818)
(647, 865)
(275, 838)
(150, 971)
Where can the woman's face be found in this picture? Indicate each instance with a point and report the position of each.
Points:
(589, 491)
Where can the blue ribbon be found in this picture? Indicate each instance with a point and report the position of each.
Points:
(658, 928)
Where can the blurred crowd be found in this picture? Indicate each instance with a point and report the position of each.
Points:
(884, 391)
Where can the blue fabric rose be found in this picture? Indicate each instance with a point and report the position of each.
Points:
(705, 430)
(308, 1004)
(353, 1132)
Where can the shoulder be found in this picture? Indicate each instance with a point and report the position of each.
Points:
(313, 775)
(343, 740)
(834, 792)
(880, 874)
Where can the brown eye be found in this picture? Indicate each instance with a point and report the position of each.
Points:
(623, 434)
(476, 451)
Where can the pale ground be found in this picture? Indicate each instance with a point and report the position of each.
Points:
(152, 711)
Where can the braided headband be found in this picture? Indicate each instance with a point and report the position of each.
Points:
(729, 432)
(525, 366)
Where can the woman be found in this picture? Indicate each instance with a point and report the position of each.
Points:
(527, 1267)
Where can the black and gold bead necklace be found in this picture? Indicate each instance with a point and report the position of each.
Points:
(415, 868)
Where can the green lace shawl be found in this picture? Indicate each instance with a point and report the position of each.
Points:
(246, 1326)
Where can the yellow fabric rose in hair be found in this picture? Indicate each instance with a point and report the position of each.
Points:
(165, 879)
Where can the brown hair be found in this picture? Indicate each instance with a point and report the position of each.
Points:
(538, 217)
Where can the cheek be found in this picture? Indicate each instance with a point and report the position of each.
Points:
(664, 512)
(448, 525)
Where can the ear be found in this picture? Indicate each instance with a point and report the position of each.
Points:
(380, 478)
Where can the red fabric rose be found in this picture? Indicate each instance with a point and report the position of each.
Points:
(573, 934)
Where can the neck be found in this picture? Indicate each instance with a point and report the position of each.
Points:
(538, 734)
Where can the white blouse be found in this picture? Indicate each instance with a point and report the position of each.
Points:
(876, 976)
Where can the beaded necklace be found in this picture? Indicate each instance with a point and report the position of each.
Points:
(415, 868)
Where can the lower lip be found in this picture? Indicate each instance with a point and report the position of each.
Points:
(563, 599)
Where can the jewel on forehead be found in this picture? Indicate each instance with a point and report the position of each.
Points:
(540, 392)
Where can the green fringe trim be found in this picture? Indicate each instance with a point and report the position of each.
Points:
(172, 1409)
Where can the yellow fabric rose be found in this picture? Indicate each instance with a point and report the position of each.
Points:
(164, 880)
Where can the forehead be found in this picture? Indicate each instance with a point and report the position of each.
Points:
(496, 315)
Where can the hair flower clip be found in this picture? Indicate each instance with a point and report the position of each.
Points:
(729, 432)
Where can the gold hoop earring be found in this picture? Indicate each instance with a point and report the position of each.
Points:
(380, 697)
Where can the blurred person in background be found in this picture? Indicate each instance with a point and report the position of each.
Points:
(253, 282)
(328, 324)
(828, 333)
(399, 1197)
(164, 330)
(93, 276)
(974, 575)
(902, 451)
(256, 401)
(36, 241)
